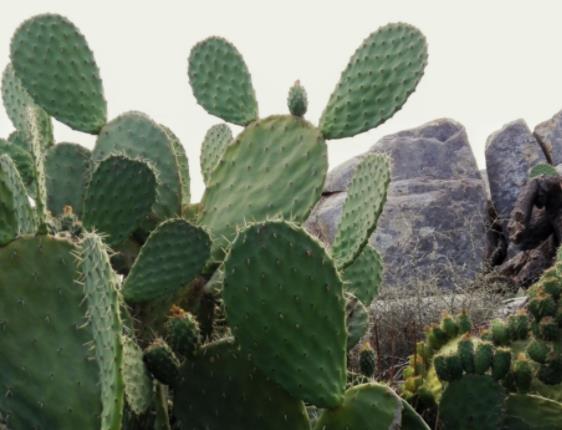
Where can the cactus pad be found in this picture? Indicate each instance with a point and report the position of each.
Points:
(363, 276)
(55, 65)
(362, 407)
(183, 164)
(217, 138)
(474, 401)
(23, 161)
(67, 166)
(363, 205)
(173, 255)
(17, 101)
(284, 304)
(221, 389)
(221, 82)
(119, 196)
(16, 216)
(138, 385)
(380, 76)
(542, 170)
(357, 320)
(278, 165)
(136, 136)
(47, 376)
(411, 420)
(528, 412)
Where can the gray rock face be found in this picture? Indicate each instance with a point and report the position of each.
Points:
(433, 226)
(549, 134)
(510, 153)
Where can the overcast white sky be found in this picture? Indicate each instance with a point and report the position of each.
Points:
(490, 62)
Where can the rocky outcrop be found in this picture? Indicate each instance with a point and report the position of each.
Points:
(433, 226)
(549, 135)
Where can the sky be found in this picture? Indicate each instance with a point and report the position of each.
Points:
(490, 62)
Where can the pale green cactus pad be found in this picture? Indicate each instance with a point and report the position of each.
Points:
(528, 412)
(363, 407)
(48, 375)
(23, 161)
(217, 138)
(363, 276)
(285, 306)
(55, 65)
(221, 82)
(183, 164)
(138, 385)
(136, 136)
(275, 168)
(220, 389)
(67, 168)
(173, 255)
(17, 101)
(378, 79)
(356, 321)
(119, 196)
(411, 420)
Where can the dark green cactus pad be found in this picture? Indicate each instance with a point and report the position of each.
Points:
(23, 161)
(356, 321)
(216, 140)
(474, 401)
(173, 255)
(183, 165)
(16, 216)
(55, 65)
(363, 276)
(17, 101)
(48, 379)
(67, 169)
(162, 362)
(363, 407)
(104, 301)
(529, 412)
(221, 82)
(362, 207)
(411, 420)
(119, 196)
(221, 389)
(285, 306)
(136, 136)
(275, 168)
(380, 76)
(138, 384)
(542, 170)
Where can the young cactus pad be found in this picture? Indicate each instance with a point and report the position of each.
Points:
(217, 139)
(55, 65)
(285, 306)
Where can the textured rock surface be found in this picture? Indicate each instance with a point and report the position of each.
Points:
(510, 153)
(433, 226)
(549, 134)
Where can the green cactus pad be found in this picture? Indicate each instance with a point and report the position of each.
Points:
(48, 379)
(220, 389)
(542, 170)
(363, 407)
(363, 276)
(356, 321)
(380, 76)
(275, 168)
(411, 420)
(474, 401)
(104, 302)
(528, 412)
(55, 65)
(16, 216)
(23, 161)
(136, 136)
(285, 306)
(19, 138)
(217, 138)
(173, 255)
(119, 196)
(183, 164)
(17, 101)
(221, 82)
(138, 385)
(363, 205)
(67, 168)
(37, 145)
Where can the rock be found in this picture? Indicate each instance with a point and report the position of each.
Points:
(433, 226)
(549, 135)
(510, 153)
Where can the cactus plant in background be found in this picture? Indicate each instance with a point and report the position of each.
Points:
(231, 316)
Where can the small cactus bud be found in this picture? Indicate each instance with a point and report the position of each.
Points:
(548, 329)
(538, 350)
(542, 305)
(367, 360)
(183, 334)
(161, 362)
(466, 353)
(483, 357)
(297, 100)
(522, 373)
(440, 364)
(553, 287)
(436, 338)
(501, 363)
(550, 373)
(500, 334)
(464, 323)
(449, 326)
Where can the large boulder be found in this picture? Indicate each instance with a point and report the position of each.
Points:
(549, 135)
(433, 227)
(510, 154)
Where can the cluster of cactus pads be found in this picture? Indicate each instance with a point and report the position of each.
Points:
(125, 306)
